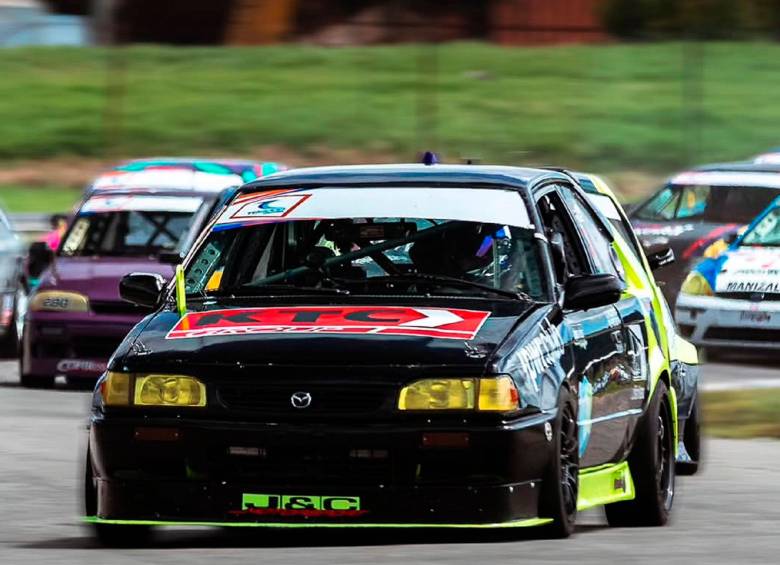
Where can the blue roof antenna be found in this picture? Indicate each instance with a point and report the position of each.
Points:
(429, 158)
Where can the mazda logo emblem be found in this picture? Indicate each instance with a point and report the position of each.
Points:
(300, 400)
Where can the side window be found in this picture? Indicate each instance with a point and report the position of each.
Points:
(662, 206)
(693, 202)
(597, 245)
(608, 207)
(559, 229)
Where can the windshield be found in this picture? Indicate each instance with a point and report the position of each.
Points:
(367, 254)
(714, 204)
(129, 226)
(766, 232)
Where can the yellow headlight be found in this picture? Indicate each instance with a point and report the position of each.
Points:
(696, 285)
(498, 395)
(59, 301)
(488, 394)
(169, 390)
(438, 394)
(152, 390)
(116, 389)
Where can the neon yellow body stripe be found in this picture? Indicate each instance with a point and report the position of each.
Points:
(512, 524)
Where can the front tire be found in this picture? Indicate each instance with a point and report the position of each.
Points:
(560, 487)
(36, 381)
(110, 535)
(27, 379)
(652, 467)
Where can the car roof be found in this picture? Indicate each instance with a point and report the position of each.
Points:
(236, 166)
(518, 178)
(740, 174)
(740, 166)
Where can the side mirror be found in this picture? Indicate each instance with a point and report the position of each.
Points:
(658, 258)
(170, 257)
(591, 291)
(40, 257)
(730, 237)
(142, 289)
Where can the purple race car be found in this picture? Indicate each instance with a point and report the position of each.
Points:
(144, 223)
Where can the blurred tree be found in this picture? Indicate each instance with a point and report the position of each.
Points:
(702, 19)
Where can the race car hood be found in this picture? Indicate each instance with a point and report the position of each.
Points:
(399, 336)
(744, 270)
(688, 240)
(98, 277)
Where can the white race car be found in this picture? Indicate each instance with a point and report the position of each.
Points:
(733, 300)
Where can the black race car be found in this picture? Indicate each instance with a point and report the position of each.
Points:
(387, 346)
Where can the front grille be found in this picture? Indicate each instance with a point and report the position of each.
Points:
(332, 465)
(742, 334)
(276, 398)
(751, 296)
(119, 308)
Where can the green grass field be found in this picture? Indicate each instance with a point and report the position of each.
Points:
(47, 199)
(742, 414)
(604, 108)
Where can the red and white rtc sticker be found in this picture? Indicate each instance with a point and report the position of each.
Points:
(446, 323)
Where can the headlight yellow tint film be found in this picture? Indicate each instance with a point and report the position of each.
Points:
(498, 395)
(58, 301)
(495, 394)
(116, 389)
(696, 285)
(439, 394)
(169, 390)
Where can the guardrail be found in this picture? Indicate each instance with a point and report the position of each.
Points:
(29, 225)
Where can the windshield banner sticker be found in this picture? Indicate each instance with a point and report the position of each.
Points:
(502, 207)
(444, 323)
(277, 207)
(103, 203)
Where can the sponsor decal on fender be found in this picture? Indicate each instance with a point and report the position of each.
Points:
(444, 323)
(542, 352)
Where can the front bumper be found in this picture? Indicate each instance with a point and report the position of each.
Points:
(215, 472)
(712, 321)
(75, 345)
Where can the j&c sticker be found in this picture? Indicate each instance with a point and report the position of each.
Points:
(300, 505)
(444, 323)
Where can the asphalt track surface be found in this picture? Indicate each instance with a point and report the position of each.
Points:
(729, 513)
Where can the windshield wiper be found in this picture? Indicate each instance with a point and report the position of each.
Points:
(444, 280)
(271, 289)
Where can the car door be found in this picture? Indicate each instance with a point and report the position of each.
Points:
(599, 347)
(635, 308)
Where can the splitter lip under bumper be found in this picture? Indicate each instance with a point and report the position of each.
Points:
(195, 503)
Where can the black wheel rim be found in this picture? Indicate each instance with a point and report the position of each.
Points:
(665, 448)
(570, 460)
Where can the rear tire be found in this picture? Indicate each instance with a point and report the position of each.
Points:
(110, 535)
(560, 487)
(652, 467)
(692, 441)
